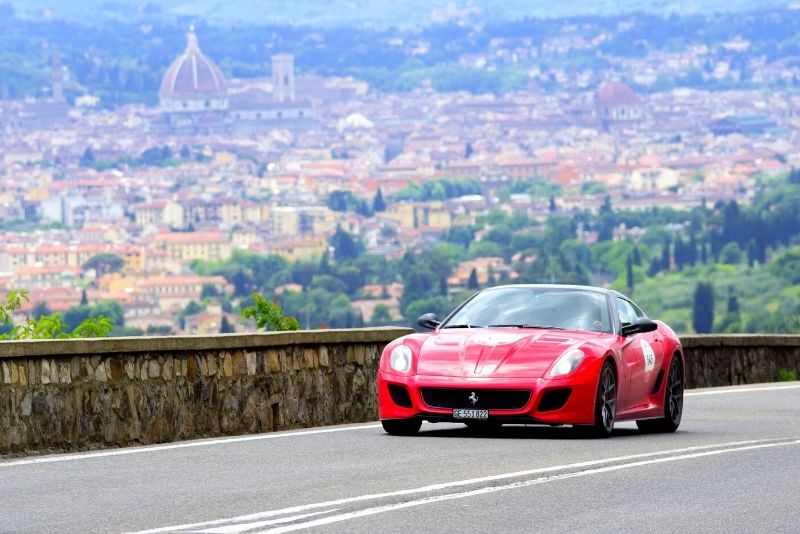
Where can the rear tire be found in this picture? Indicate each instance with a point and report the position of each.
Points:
(605, 404)
(673, 403)
(401, 427)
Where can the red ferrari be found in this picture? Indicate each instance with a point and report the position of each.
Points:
(535, 354)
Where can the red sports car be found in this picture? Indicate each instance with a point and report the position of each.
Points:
(535, 354)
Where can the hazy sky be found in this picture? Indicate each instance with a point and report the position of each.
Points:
(377, 12)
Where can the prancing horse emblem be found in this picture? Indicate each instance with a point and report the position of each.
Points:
(473, 398)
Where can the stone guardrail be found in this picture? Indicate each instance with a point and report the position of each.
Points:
(78, 394)
(726, 360)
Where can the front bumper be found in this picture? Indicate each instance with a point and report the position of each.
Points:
(567, 400)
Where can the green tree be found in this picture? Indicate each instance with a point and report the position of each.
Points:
(87, 159)
(731, 254)
(111, 310)
(47, 326)
(378, 203)
(269, 315)
(40, 309)
(381, 315)
(629, 278)
(472, 283)
(703, 310)
(225, 326)
(104, 263)
(345, 246)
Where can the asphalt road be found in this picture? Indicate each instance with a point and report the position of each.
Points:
(733, 466)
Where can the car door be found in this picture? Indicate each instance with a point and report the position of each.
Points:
(641, 355)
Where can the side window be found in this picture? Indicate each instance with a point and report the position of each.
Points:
(638, 310)
(626, 312)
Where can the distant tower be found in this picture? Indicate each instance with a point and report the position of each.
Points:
(283, 77)
(58, 78)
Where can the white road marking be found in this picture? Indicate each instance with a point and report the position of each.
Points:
(737, 389)
(458, 483)
(235, 529)
(279, 435)
(181, 445)
(492, 489)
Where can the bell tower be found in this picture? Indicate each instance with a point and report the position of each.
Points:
(283, 77)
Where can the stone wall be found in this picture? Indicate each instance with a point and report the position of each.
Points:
(71, 395)
(727, 360)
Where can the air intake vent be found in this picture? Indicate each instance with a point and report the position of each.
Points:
(657, 385)
(400, 396)
(555, 399)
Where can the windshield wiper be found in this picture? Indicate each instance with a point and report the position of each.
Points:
(543, 327)
(463, 326)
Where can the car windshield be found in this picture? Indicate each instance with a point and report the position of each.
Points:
(535, 307)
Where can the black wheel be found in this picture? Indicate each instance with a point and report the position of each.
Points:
(673, 402)
(401, 427)
(605, 405)
(484, 427)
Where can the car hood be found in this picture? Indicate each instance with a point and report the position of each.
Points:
(496, 353)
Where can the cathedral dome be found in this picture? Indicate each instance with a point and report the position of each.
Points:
(193, 77)
(613, 94)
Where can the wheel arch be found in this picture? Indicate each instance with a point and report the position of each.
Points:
(608, 357)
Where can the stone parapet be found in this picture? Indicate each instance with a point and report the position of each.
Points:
(732, 359)
(67, 395)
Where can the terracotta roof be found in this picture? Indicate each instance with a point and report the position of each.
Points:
(190, 237)
(615, 94)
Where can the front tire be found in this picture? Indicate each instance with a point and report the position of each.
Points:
(401, 427)
(605, 404)
(673, 403)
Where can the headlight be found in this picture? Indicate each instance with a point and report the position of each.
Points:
(400, 359)
(567, 362)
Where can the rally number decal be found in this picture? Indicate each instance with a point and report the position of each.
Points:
(649, 355)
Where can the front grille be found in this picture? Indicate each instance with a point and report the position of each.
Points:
(487, 399)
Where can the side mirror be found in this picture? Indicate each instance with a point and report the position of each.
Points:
(429, 321)
(639, 326)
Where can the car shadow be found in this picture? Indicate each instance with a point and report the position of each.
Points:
(525, 432)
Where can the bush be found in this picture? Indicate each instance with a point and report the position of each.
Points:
(47, 326)
(785, 375)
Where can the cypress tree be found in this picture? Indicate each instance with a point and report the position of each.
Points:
(665, 257)
(733, 302)
(629, 274)
(225, 326)
(692, 250)
(472, 283)
(378, 203)
(636, 256)
(703, 312)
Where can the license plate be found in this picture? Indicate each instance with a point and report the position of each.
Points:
(470, 414)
